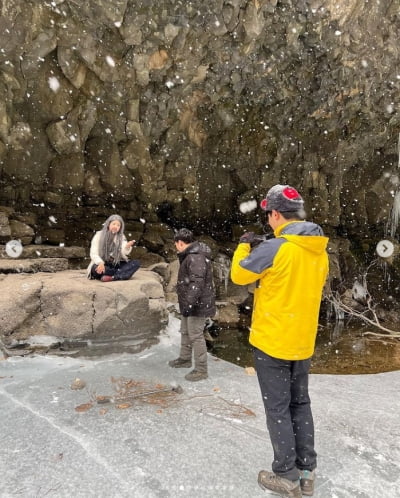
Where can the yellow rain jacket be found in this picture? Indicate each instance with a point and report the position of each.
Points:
(290, 270)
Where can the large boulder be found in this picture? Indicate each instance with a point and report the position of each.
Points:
(67, 305)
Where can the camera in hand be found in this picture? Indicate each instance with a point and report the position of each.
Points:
(252, 239)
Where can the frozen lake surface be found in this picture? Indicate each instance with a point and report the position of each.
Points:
(209, 441)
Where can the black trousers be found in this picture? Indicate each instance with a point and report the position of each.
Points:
(284, 389)
(122, 271)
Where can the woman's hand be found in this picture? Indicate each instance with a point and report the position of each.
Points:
(100, 268)
(130, 243)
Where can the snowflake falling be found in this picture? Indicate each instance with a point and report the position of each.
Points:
(54, 84)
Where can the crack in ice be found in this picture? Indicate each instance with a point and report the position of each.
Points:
(87, 447)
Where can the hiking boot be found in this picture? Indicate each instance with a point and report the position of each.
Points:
(307, 478)
(195, 375)
(180, 363)
(269, 481)
(107, 278)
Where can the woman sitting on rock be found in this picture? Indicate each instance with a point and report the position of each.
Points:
(109, 251)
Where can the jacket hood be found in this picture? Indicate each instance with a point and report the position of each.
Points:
(305, 234)
(197, 248)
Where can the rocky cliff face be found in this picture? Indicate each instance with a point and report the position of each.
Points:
(176, 112)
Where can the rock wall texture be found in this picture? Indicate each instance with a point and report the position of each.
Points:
(177, 112)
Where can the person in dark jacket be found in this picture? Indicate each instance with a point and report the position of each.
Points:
(196, 297)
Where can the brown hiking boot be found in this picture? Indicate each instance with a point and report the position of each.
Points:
(195, 375)
(307, 478)
(180, 363)
(269, 481)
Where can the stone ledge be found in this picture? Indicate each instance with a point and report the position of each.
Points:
(75, 256)
(33, 265)
(35, 251)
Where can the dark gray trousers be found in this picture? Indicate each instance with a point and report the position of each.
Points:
(284, 389)
(192, 340)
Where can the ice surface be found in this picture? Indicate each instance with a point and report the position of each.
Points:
(210, 442)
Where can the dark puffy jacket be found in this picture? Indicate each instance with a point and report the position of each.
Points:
(195, 286)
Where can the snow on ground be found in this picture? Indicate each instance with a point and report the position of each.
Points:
(209, 441)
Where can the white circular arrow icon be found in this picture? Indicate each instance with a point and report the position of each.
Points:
(14, 248)
(385, 248)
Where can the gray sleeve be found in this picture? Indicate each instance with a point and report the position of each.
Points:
(262, 257)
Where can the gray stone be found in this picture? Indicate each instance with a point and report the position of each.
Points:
(5, 229)
(227, 315)
(5, 122)
(158, 238)
(27, 218)
(7, 210)
(145, 257)
(46, 251)
(71, 66)
(21, 231)
(33, 265)
(20, 136)
(64, 136)
(52, 235)
(67, 173)
(104, 157)
(163, 269)
(53, 199)
(253, 21)
(41, 46)
(69, 252)
(67, 304)
(29, 165)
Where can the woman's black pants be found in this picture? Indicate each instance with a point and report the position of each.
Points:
(121, 271)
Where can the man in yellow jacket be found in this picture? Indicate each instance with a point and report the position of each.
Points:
(290, 271)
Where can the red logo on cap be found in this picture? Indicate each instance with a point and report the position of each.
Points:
(290, 193)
